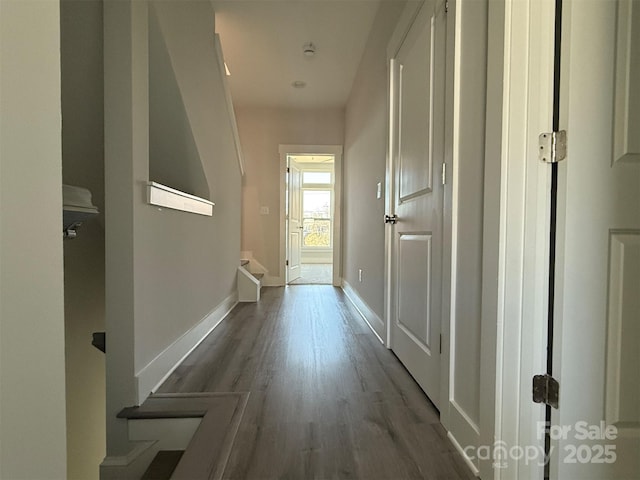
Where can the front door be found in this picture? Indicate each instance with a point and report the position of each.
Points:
(417, 145)
(294, 244)
(596, 430)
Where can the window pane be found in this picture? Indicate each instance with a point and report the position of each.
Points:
(316, 207)
(316, 177)
(316, 233)
(316, 204)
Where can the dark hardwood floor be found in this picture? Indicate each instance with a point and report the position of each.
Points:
(326, 399)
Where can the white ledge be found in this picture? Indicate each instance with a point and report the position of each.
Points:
(168, 197)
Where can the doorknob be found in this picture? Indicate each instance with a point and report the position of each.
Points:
(392, 219)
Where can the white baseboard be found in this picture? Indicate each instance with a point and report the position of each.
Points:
(465, 457)
(376, 324)
(157, 371)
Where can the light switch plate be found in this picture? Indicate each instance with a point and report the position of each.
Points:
(264, 210)
(379, 191)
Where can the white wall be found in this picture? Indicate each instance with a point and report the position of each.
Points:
(32, 377)
(470, 188)
(166, 270)
(83, 165)
(261, 131)
(470, 411)
(366, 133)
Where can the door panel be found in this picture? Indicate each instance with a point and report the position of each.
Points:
(622, 400)
(413, 304)
(415, 116)
(416, 257)
(295, 224)
(596, 348)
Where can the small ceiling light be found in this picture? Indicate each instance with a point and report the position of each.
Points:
(299, 84)
(309, 49)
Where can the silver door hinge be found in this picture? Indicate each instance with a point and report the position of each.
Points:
(552, 146)
(546, 390)
(444, 173)
(446, 6)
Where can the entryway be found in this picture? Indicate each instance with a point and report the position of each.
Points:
(311, 214)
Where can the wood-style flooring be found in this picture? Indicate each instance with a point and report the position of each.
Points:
(326, 399)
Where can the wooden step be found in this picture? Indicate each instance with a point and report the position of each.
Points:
(163, 465)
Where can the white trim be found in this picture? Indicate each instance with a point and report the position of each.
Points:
(163, 196)
(465, 457)
(150, 377)
(229, 101)
(524, 227)
(132, 465)
(364, 310)
(336, 151)
(455, 161)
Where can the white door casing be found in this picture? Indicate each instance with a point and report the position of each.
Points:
(417, 140)
(336, 235)
(294, 223)
(596, 351)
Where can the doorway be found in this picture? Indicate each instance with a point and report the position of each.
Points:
(310, 214)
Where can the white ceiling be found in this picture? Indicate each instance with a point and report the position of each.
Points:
(262, 42)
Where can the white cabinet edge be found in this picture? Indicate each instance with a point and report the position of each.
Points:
(163, 196)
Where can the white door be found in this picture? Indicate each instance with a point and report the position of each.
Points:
(294, 245)
(416, 258)
(597, 309)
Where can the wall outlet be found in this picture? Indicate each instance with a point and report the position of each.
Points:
(360, 275)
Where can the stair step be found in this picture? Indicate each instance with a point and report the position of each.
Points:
(163, 465)
(144, 413)
(244, 262)
(258, 275)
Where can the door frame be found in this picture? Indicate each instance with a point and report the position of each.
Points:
(336, 151)
(525, 201)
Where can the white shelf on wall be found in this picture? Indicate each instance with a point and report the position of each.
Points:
(163, 196)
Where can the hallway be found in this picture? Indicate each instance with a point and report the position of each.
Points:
(326, 399)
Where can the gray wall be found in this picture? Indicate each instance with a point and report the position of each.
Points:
(261, 131)
(32, 385)
(166, 270)
(83, 165)
(366, 133)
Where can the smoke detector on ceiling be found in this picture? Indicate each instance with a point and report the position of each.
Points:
(309, 49)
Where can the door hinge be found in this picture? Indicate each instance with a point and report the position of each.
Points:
(444, 174)
(286, 263)
(440, 343)
(446, 6)
(546, 390)
(552, 146)
(288, 170)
